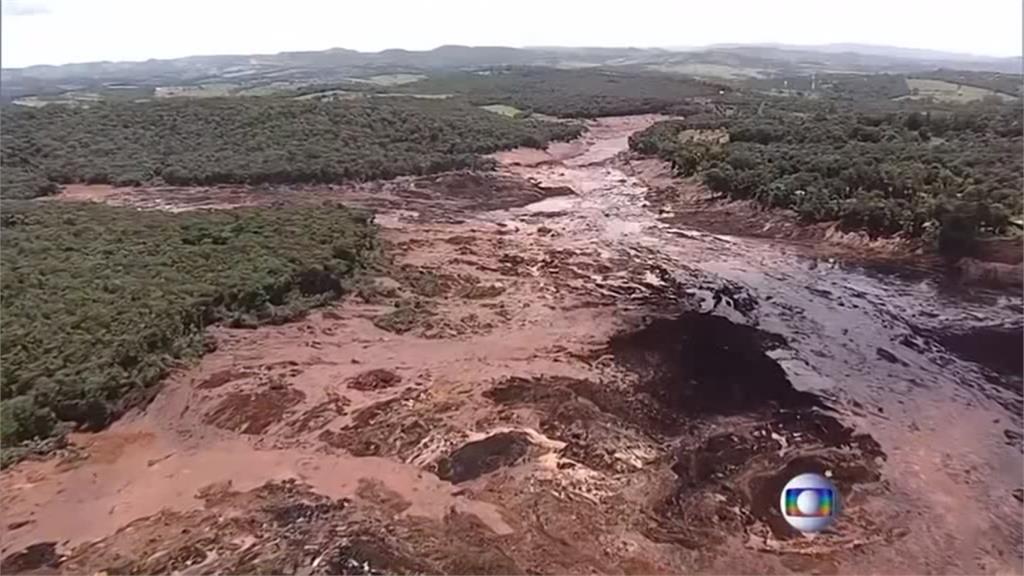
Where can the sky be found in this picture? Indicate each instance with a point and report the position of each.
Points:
(63, 31)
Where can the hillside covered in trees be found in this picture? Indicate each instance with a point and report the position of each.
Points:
(99, 300)
(571, 93)
(953, 172)
(252, 140)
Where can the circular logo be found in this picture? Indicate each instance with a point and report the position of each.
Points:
(809, 502)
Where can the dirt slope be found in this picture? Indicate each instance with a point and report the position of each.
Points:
(550, 379)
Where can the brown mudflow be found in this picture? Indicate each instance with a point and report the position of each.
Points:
(555, 374)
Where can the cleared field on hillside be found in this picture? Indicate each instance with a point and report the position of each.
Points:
(391, 79)
(198, 91)
(709, 70)
(503, 109)
(949, 91)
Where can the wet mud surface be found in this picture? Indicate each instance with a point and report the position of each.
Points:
(551, 376)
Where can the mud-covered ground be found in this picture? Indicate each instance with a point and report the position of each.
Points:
(553, 375)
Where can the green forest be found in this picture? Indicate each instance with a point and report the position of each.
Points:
(583, 93)
(99, 300)
(952, 172)
(251, 140)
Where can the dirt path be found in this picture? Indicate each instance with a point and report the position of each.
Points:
(549, 378)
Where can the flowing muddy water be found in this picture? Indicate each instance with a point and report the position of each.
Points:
(548, 378)
(871, 346)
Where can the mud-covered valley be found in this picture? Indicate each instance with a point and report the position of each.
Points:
(551, 374)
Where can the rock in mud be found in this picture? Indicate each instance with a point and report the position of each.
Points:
(474, 459)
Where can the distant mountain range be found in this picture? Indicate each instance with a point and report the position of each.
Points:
(338, 64)
(873, 50)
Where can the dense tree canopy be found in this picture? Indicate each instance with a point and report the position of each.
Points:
(571, 93)
(954, 171)
(97, 300)
(252, 140)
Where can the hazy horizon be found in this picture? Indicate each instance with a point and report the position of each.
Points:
(63, 31)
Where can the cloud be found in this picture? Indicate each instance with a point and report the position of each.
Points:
(24, 8)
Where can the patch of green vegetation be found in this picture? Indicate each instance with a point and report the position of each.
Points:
(579, 93)
(99, 300)
(252, 140)
(951, 172)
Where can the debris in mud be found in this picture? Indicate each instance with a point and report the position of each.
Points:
(441, 327)
(408, 315)
(480, 457)
(18, 524)
(603, 429)
(1013, 437)
(442, 195)
(277, 528)
(708, 374)
(371, 291)
(318, 416)
(889, 357)
(748, 466)
(427, 283)
(376, 379)
(461, 240)
(702, 363)
(1000, 348)
(253, 412)
(424, 282)
(736, 296)
(392, 427)
(222, 377)
(39, 556)
(480, 291)
(375, 491)
(283, 528)
(720, 456)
